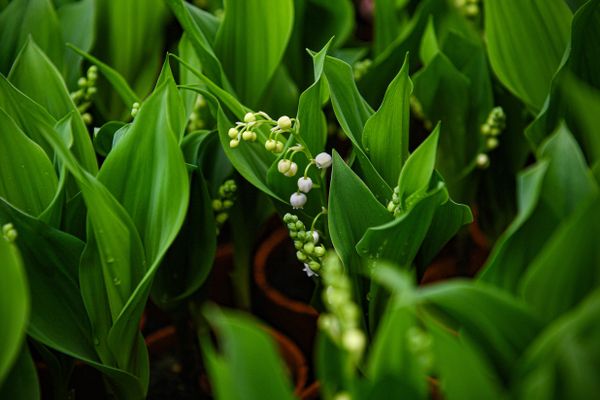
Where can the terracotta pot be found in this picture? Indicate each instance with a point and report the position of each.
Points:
(164, 341)
(311, 392)
(220, 288)
(275, 304)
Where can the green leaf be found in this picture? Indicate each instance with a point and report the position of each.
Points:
(391, 354)
(528, 21)
(78, 23)
(499, 325)
(443, 92)
(352, 210)
(562, 362)
(14, 306)
(429, 45)
(247, 357)
(27, 177)
(313, 125)
(190, 258)
(547, 194)
(24, 18)
(251, 47)
(134, 32)
(552, 283)
(385, 135)
(464, 373)
(117, 80)
(416, 173)
(387, 25)
(35, 75)
(352, 112)
(22, 382)
(211, 65)
(399, 240)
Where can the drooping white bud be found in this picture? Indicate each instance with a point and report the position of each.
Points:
(284, 165)
(297, 200)
(323, 160)
(249, 117)
(284, 123)
(354, 340)
(315, 236)
(247, 135)
(305, 184)
(232, 133)
(233, 143)
(483, 161)
(292, 171)
(270, 145)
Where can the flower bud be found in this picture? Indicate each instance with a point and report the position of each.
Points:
(309, 271)
(319, 251)
(81, 82)
(292, 170)
(301, 256)
(249, 117)
(305, 184)
(315, 266)
(315, 236)
(491, 143)
(217, 205)
(284, 166)
(323, 160)
(284, 123)
(270, 145)
(354, 340)
(87, 118)
(297, 244)
(221, 218)
(247, 135)
(232, 133)
(279, 147)
(483, 161)
(297, 200)
(309, 247)
(233, 143)
(227, 203)
(299, 225)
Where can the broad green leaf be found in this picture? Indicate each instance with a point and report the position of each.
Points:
(385, 135)
(186, 77)
(447, 220)
(211, 66)
(552, 283)
(443, 92)
(416, 173)
(133, 32)
(573, 95)
(112, 262)
(247, 357)
(429, 45)
(189, 260)
(78, 24)
(251, 46)
(24, 18)
(117, 80)
(14, 306)
(386, 24)
(325, 19)
(22, 382)
(547, 194)
(352, 112)
(104, 137)
(528, 21)
(499, 325)
(352, 210)
(26, 113)
(464, 373)
(27, 178)
(313, 126)
(391, 354)
(399, 240)
(563, 360)
(35, 75)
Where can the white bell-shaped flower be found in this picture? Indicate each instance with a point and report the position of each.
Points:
(305, 184)
(323, 160)
(297, 200)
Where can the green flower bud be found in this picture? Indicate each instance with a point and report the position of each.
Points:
(221, 218)
(299, 225)
(234, 143)
(249, 117)
(309, 247)
(278, 147)
(217, 205)
(284, 123)
(301, 256)
(319, 251)
(291, 226)
(297, 244)
(314, 265)
(227, 203)
(232, 133)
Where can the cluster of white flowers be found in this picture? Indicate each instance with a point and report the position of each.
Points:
(246, 130)
(308, 250)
